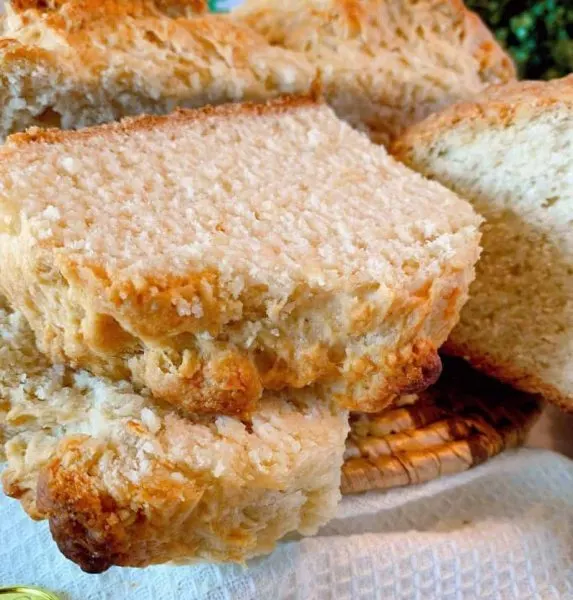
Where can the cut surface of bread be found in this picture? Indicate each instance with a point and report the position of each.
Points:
(76, 63)
(385, 64)
(301, 253)
(125, 481)
(510, 152)
(463, 420)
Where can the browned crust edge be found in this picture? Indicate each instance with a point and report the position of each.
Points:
(413, 369)
(73, 535)
(281, 105)
(422, 372)
(87, 7)
(509, 374)
(486, 50)
(499, 106)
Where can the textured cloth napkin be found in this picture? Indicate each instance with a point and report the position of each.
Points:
(503, 530)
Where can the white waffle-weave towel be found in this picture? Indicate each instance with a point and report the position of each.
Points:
(501, 531)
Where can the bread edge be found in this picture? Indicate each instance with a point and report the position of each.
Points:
(87, 7)
(509, 374)
(524, 99)
(282, 105)
(493, 109)
(485, 48)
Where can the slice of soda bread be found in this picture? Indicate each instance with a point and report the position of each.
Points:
(215, 253)
(510, 152)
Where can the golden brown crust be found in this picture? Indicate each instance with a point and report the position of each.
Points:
(410, 370)
(81, 509)
(282, 105)
(80, 10)
(355, 17)
(227, 384)
(461, 422)
(86, 522)
(421, 370)
(499, 106)
(494, 62)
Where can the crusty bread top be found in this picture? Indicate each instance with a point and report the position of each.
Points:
(444, 32)
(74, 13)
(498, 106)
(98, 28)
(385, 64)
(81, 62)
(295, 197)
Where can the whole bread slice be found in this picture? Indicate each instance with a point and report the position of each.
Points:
(510, 152)
(385, 64)
(74, 63)
(215, 253)
(125, 481)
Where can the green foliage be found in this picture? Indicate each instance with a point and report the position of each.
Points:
(538, 33)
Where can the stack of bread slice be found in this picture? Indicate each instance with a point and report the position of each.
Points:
(301, 270)
(191, 305)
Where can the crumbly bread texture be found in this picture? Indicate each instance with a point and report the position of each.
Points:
(125, 481)
(460, 422)
(300, 253)
(385, 64)
(510, 152)
(74, 63)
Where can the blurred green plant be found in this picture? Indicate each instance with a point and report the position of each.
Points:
(537, 33)
(222, 5)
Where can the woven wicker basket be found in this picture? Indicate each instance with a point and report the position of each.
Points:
(463, 420)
